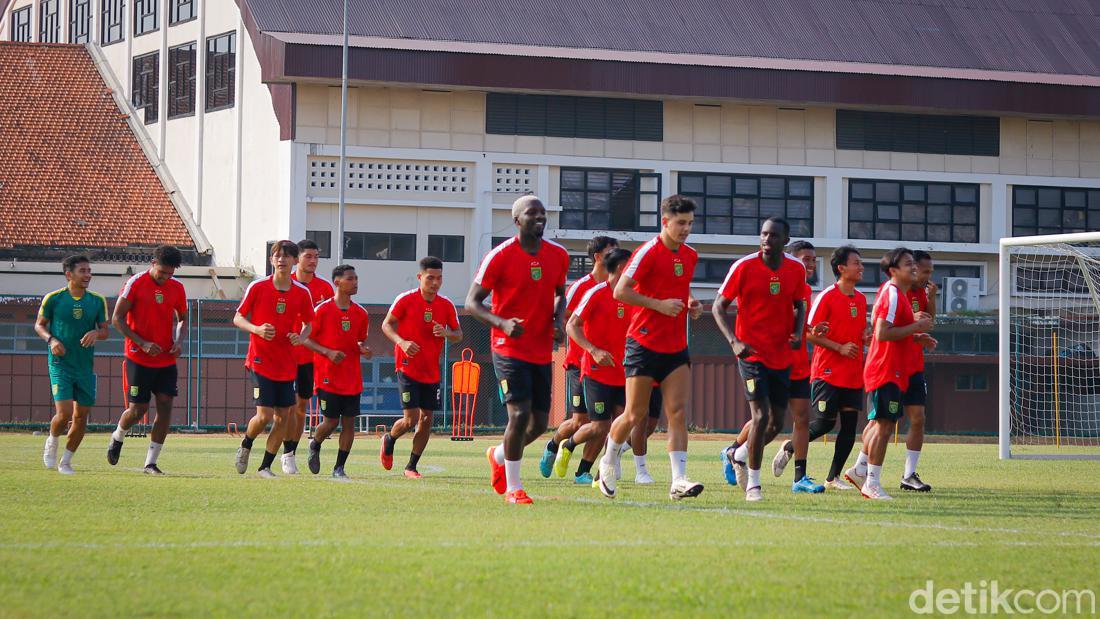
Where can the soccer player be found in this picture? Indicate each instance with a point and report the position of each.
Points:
(277, 313)
(151, 312)
(71, 320)
(526, 276)
(337, 339)
(417, 323)
(657, 282)
(922, 298)
(770, 289)
(837, 370)
(575, 409)
(889, 359)
(598, 327)
(320, 290)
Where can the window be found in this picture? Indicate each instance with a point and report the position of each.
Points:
(579, 266)
(907, 211)
(497, 240)
(574, 117)
(873, 277)
(110, 21)
(323, 238)
(918, 133)
(221, 71)
(49, 21)
(21, 25)
(379, 246)
(598, 199)
(447, 247)
(181, 80)
(711, 270)
(146, 86)
(971, 382)
(1056, 277)
(180, 11)
(739, 204)
(80, 21)
(1054, 210)
(146, 16)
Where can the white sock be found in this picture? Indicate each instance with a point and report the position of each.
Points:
(511, 471)
(67, 457)
(874, 474)
(154, 453)
(119, 433)
(911, 459)
(754, 479)
(679, 461)
(498, 453)
(611, 454)
(640, 465)
(741, 454)
(861, 464)
(52, 441)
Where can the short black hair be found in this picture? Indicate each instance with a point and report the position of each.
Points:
(779, 220)
(288, 248)
(69, 264)
(168, 256)
(339, 271)
(305, 244)
(430, 262)
(840, 256)
(893, 258)
(597, 245)
(615, 258)
(677, 205)
(798, 246)
(921, 255)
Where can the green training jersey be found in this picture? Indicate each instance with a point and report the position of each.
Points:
(70, 319)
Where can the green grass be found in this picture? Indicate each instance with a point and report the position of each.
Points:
(111, 542)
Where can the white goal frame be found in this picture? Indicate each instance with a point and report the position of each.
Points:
(1006, 285)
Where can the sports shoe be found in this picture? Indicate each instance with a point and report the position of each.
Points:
(266, 473)
(874, 492)
(838, 484)
(290, 464)
(242, 459)
(496, 472)
(779, 463)
(754, 494)
(413, 474)
(807, 485)
(607, 480)
(684, 488)
(546, 464)
(338, 473)
(314, 461)
(583, 478)
(561, 461)
(152, 469)
(386, 459)
(914, 484)
(855, 478)
(65, 469)
(114, 450)
(726, 456)
(518, 497)
(49, 455)
(643, 478)
(741, 470)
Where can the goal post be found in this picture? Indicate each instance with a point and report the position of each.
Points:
(1049, 352)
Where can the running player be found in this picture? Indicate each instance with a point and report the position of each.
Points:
(886, 374)
(151, 312)
(658, 282)
(277, 313)
(417, 323)
(922, 298)
(770, 289)
(598, 327)
(575, 410)
(526, 276)
(837, 371)
(320, 290)
(71, 320)
(337, 339)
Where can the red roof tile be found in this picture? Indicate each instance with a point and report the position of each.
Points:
(72, 173)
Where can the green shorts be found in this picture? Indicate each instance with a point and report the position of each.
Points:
(67, 385)
(885, 403)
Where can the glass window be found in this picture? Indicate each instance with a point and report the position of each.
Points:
(221, 71)
(599, 199)
(574, 117)
(110, 21)
(80, 21)
(754, 199)
(146, 16)
(146, 85)
(181, 80)
(447, 247)
(181, 11)
(905, 211)
(1054, 210)
(49, 21)
(379, 246)
(21, 25)
(323, 238)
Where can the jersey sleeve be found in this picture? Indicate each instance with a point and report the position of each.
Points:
(101, 310)
(819, 310)
(585, 307)
(731, 286)
(248, 303)
(490, 270)
(398, 307)
(317, 325)
(452, 317)
(306, 313)
(640, 264)
(365, 329)
(48, 303)
(181, 300)
(564, 268)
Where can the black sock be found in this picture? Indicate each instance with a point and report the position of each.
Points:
(414, 458)
(584, 467)
(290, 447)
(387, 443)
(569, 444)
(341, 458)
(799, 469)
(551, 446)
(845, 440)
(268, 459)
(247, 442)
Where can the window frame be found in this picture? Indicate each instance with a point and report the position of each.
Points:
(174, 68)
(323, 238)
(149, 9)
(936, 134)
(80, 32)
(391, 236)
(445, 239)
(1091, 209)
(147, 100)
(901, 202)
(174, 13)
(21, 32)
(701, 216)
(229, 75)
(566, 116)
(111, 18)
(45, 19)
(635, 183)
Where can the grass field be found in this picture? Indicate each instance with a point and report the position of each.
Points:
(110, 541)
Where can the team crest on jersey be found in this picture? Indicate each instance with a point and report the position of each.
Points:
(894, 408)
(78, 312)
(678, 268)
(773, 287)
(916, 306)
(280, 307)
(345, 323)
(853, 310)
(159, 297)
(536, 271)
(427, 315)
(621, 311)
(599, 408)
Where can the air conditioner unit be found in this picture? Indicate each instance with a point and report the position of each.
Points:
(960, 294)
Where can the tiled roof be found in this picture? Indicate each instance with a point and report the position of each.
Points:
(72, 174)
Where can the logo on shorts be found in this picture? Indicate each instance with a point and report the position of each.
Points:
(78, 312)
(427, 315)
(621, 311)
(159, 297)
(345, 324)
(406, 396)
(255, 393)
(324, 405)
(576, 400)
(536, 271)
(55, 387)
(894, 408)
(134, 390)
(853, 310)
(773, 287)
(821, 406)
(504, 386)
(599, 408)
(750, 384)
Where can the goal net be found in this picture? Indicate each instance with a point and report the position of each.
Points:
(1050, 346)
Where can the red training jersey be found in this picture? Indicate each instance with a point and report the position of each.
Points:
(525, 286)
(765, 305)
(918, 301)
(605, 322)
(287, 310)
(416, 316)
(847, 318)
(343, 330)
(888, 362)
(320, 291)
(800, 358)
(152, 315)
(661, 273)
(573, 296)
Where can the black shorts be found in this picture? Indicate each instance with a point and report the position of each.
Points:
(142, 381)
(764, 383)
(602, 400)
(917, 393)
(656, 403)
(415, 394)
(574, 392)
(800, 389)
(334, 405)
(885, 403)
(522, 381)
(641, 361)
(830, 399)
(273, 393)
(304, 383)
